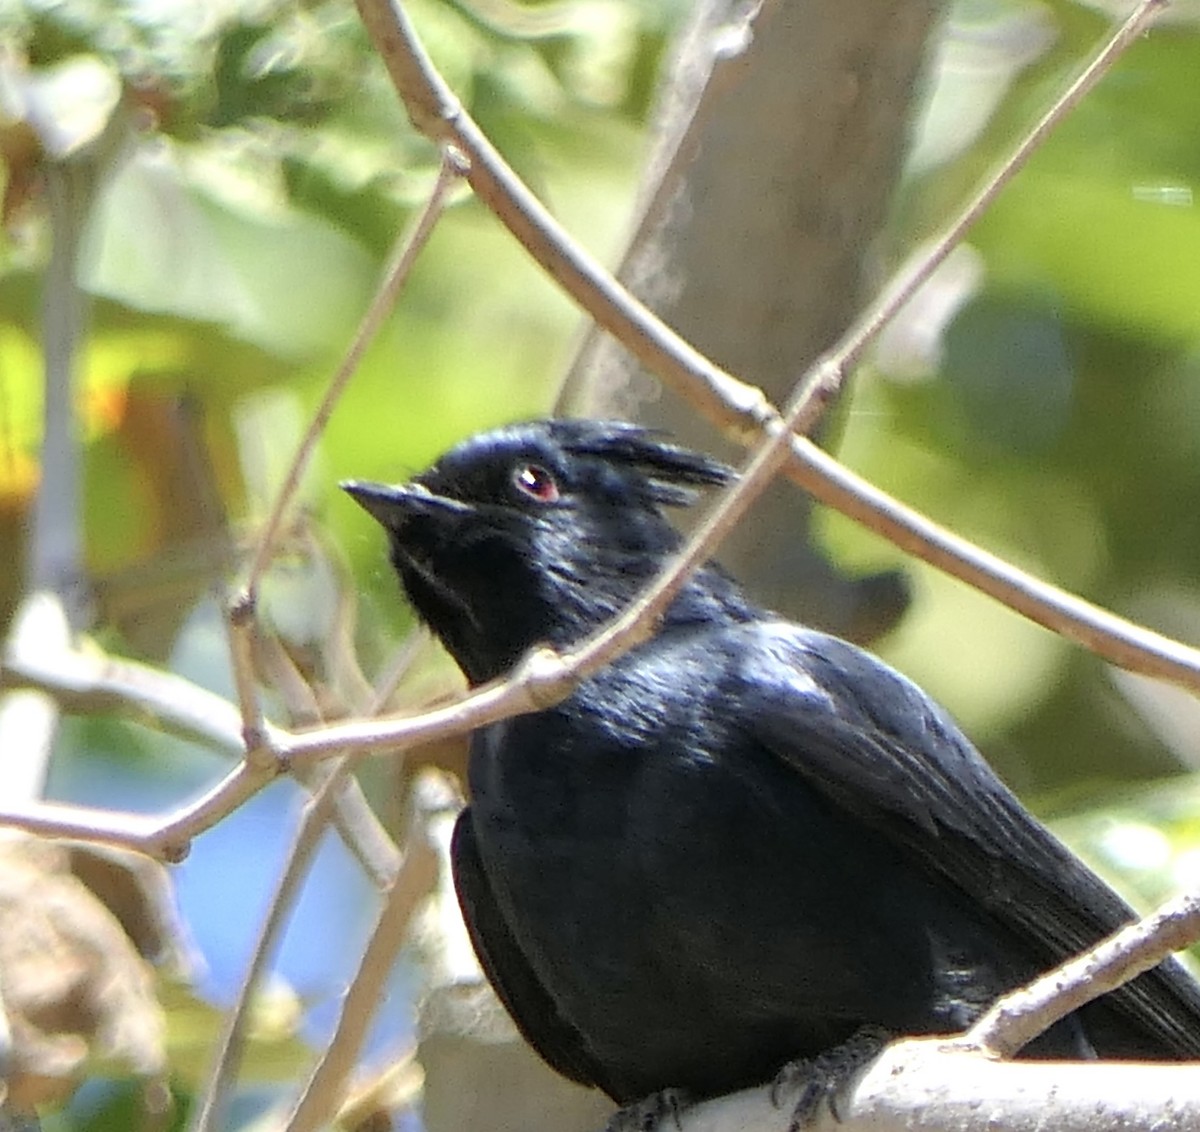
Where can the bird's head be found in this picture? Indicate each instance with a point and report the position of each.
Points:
(534, 532)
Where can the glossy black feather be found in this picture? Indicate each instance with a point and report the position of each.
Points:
(742, 841)
(515, 982)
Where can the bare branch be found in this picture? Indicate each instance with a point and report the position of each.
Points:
(399, 268)
(396, 274)
(166, 838)
(239, 628)
(928, 1085)
(331, 782)
(415, 880)
(1019, 1017)
(540, 679)
(909, 279)
(331, 785)
(212, 1098)
(743, 411)
(1110, 637)
(91, 682)
(86, 682)
(436, 112)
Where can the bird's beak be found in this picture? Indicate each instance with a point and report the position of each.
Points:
(391, 505)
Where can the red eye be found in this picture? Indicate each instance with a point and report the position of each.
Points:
(533, 480)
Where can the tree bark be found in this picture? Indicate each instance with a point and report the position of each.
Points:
(780, 140)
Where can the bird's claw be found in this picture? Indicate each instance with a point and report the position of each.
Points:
(828, 1078)
(649, 1113)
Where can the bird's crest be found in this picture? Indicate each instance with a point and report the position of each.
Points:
(670, 470)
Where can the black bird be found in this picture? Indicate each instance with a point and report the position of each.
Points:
(744, 840)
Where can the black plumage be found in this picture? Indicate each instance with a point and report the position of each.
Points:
(742, 841)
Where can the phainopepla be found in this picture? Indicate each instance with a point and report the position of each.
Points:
(744, 840)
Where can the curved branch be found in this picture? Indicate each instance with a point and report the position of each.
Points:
(743, 411)
(929, 1085)
(92, 682)
(1120, 642)
(1017, 1018)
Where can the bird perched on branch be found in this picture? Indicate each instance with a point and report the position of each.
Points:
(744, 840)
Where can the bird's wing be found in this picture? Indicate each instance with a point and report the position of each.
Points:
(511, 976)
(876, 746)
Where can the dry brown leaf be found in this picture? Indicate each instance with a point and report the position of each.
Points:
(72, 985)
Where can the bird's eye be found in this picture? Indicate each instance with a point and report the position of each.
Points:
(533, 480)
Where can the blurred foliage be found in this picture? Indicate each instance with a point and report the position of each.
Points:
(1052, 412)
(266, 170)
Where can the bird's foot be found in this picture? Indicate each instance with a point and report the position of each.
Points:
(650, 1112)
(828, 1078)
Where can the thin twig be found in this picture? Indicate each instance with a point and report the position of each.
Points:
(543, 676)
(905, 283)
(636, 623)
(437, 113)
(329, 787)
(363, 833)
(213, 1097)
(243, 606)
(323, 1093)
(1120, 642)
(1019, 1017)
(744, 411)
(240, 625)
(316, 814)
(400, 264)
(89, 683)
(539, 679)
(167, 838)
